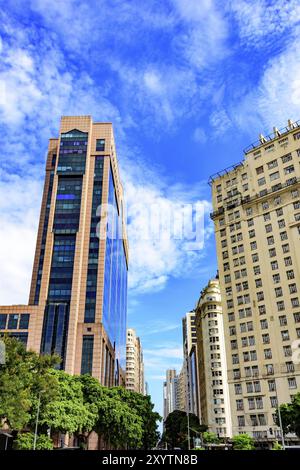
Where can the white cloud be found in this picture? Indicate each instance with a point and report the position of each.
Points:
(165, 352)
(37, 90)
(156, 257)
(276, 98)
(20, 198)
(161, 93)
(204, 40)
(220, 121)
(35, 84)
(199, 135)
(261, 21)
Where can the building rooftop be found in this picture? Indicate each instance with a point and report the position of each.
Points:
(276, 134)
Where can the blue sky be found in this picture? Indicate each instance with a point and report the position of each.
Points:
(187, 84)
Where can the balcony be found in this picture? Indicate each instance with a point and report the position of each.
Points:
(217, 213)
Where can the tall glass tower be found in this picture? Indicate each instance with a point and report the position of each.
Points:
(77, 303)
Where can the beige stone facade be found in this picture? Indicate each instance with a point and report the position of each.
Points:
(214, 402)
(134, 363)
(257, 228)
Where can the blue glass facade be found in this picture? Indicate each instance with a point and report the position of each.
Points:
(67, 207)
(115, 280)
(70, 168)
(91, 283)
(72, 153)
(55, 330)
(87, 354)
(60, 284)
(44, 236)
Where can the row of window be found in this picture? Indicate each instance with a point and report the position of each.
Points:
(14, 321)
(278, 200)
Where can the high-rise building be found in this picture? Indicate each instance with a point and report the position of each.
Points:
(214, 399)
(170, 390)
(190, 362)
(78, 294)
(181, 390)
(257, 227)
(134, 363)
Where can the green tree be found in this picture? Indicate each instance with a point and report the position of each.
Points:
(277, 446)
(25, 441)
(22, 377)
(117, 421)
(210, 438)
(176, 429)
(67, 412)
(243, 442)
(290, 416)
(144, 409)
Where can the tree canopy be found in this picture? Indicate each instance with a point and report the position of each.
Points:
(243, 442)
(70, 404)
(290, 416)
(176, 429)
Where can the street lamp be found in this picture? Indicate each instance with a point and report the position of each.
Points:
(280, 420)
(37, 419)
(188, 400)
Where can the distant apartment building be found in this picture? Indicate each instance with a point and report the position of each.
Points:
(181, 390)
(170, 392)
(78, 295)
(190, 363)
(134, 363)
(257, 227)
(214, 402)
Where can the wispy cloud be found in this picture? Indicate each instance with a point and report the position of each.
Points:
(276, 98)
(260, 22)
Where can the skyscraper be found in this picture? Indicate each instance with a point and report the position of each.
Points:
(257, 228)
(170, 391)
(78, 294)
(134, 363)
(212, 379)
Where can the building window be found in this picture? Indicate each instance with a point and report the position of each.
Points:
(87, 354)
(13, 322)
(266, 338)
(3, 318)
(274, 265)
(278, 291)
(292, 382)
(268, 353)
(281, 223)
(272, 385)
(287, 350)
(289, 169)
(286, 158)
(293, 288)
(295, 302)
(261, 181)
(24, 321)
(100, 145)
(285, 335)
(283, 320)
(297, 317)
(272, 252)
(274, 176)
